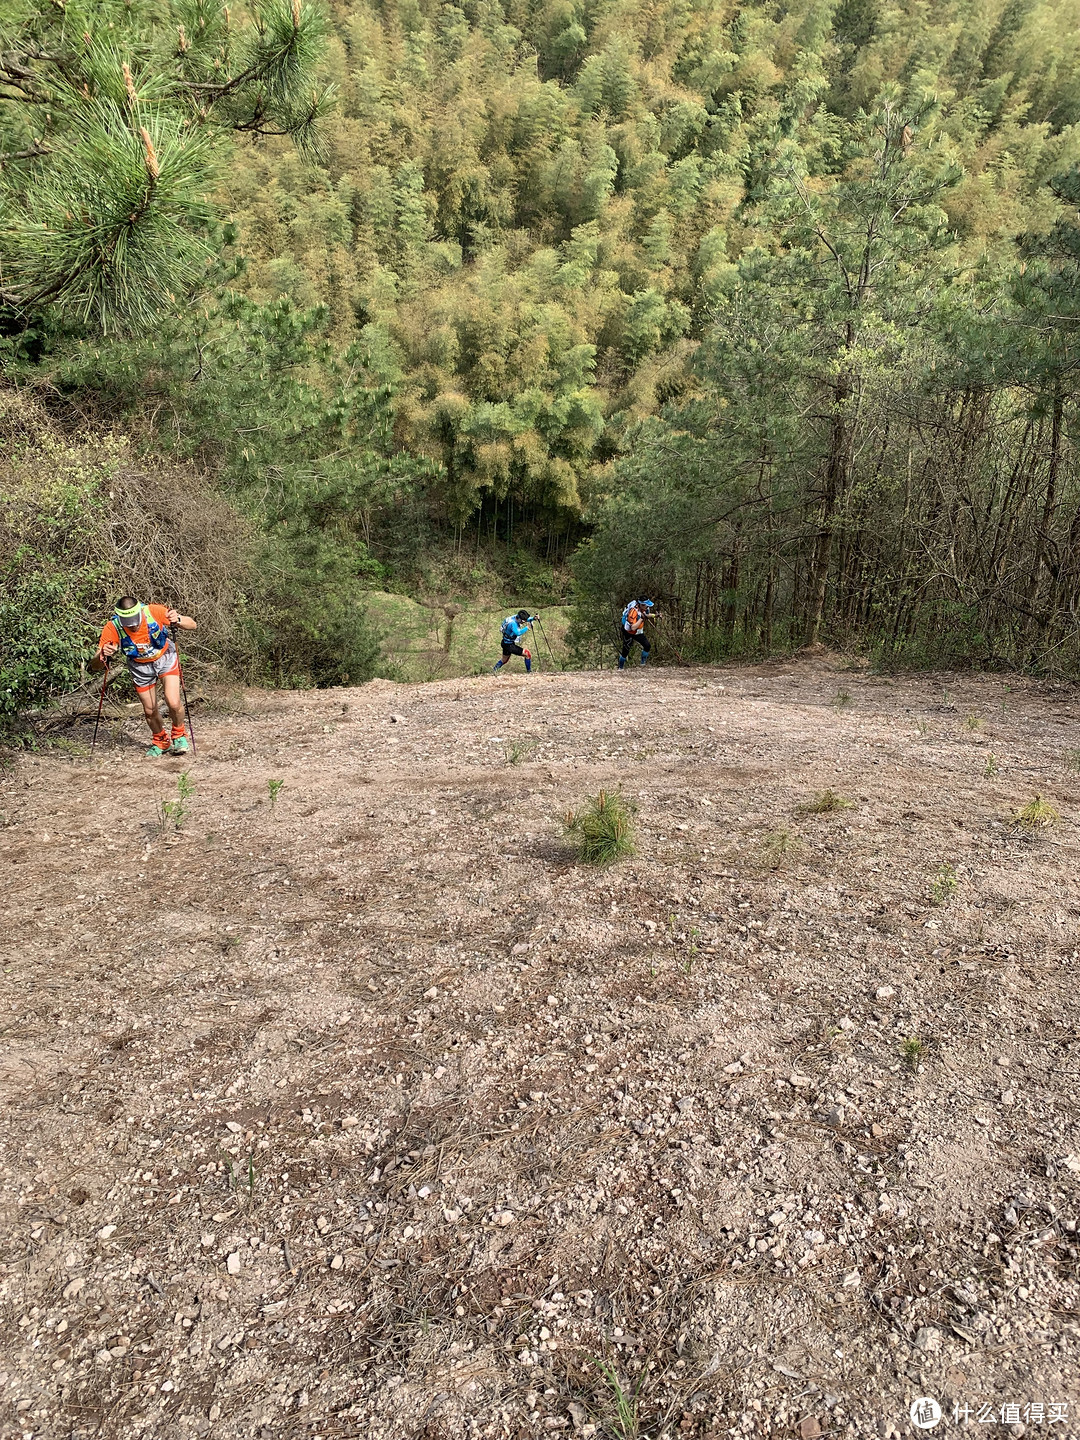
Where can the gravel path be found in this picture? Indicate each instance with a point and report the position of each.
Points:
(369, 1113)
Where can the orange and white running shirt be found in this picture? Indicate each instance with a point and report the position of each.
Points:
(141, 635)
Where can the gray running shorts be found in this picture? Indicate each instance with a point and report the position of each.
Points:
(146, 672)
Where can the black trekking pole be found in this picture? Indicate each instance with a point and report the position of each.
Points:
(537, 657)
(183, 689)
(547, 642)
(100, 703)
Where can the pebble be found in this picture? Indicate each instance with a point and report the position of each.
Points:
(232, 1264)
(884, 992)
(106, 1232)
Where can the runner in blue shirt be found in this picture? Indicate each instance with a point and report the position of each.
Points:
(513, 628)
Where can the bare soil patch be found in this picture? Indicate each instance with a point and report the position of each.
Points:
(371, 1114)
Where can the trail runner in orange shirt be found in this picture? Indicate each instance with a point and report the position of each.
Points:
(141, 632)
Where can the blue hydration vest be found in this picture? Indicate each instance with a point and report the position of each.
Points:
(143, 654)
(513, 629)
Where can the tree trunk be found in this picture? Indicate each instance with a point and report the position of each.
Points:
(837, 471)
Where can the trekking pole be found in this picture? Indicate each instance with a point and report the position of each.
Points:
(183, 689)
(547, 642)
(100, 703)
(537, 657)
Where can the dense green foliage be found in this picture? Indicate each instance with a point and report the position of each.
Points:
(773, 304)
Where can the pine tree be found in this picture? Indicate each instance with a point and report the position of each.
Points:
(112, 114)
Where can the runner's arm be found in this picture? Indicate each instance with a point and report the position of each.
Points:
(107, 648)
(185, 622)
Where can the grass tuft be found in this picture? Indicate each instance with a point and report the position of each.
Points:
(841, 700)
(274, 788)
(824, 803)
(603, 829)
(625, 1423)
(1037, 814)
(518, 751)
(943, 885)
(779, 847)
(974, 723)
(175, 812)
(913, 1050)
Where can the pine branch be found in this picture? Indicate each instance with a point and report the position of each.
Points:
(30, 153)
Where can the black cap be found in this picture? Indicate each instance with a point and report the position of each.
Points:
(523, 615)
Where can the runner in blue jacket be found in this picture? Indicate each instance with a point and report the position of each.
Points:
(514, 627)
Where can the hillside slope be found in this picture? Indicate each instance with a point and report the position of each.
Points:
(372, 1114)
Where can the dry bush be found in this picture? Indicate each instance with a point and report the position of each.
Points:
(83, 519)
(174, 539)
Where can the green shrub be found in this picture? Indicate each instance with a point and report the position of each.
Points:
(603, 830)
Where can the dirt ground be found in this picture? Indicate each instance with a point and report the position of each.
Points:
(370, 1113)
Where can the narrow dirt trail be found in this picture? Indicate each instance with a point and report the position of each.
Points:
(369, 1113)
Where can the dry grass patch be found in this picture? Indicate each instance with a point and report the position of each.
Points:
(825, 802)
(1037, 814)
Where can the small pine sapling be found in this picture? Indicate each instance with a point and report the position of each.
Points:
(1037, 814)
(913, 1051)
(602, 830)
(779, 847)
